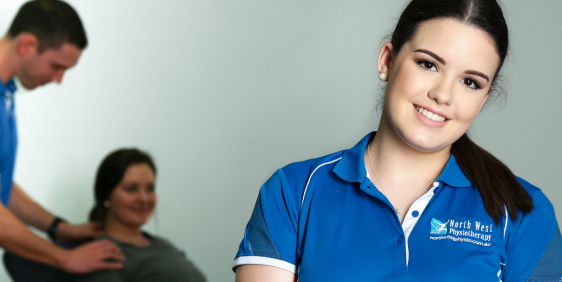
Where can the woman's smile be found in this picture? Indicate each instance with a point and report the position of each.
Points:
(430, 114)
(429, 118)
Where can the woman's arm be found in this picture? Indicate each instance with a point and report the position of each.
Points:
(256, 272)
(269, 247)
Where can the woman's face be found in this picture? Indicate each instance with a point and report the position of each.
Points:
(133, 200)
(445, 71)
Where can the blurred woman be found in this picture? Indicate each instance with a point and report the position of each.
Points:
(125, 200)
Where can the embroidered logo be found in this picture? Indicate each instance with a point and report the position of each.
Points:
(474, 232)
(438, 227)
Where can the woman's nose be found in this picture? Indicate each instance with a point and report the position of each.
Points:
(442, 92)
(143, 196)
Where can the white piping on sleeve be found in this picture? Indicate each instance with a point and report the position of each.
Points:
(306, 187)
(264, 261)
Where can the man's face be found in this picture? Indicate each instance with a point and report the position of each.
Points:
(40, 69)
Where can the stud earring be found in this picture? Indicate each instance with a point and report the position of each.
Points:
(382, 75)
(106, 204)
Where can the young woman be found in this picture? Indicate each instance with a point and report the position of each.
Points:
(417, 200)
(125, 200)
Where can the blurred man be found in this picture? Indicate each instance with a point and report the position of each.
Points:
(45, 39)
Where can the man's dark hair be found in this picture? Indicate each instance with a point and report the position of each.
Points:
(54, 23)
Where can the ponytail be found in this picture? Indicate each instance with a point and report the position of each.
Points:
(498, 186)
(98, 213)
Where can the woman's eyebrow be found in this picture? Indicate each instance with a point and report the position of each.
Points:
(478, 74)
(441, 60)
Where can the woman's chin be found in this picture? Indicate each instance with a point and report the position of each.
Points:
(137, 222)
(427, 144)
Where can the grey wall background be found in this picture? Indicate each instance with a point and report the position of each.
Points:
(224, 92)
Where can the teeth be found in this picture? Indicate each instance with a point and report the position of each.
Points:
(430, 115)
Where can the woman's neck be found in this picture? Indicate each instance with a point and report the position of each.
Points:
(125, 233)
(398, 165)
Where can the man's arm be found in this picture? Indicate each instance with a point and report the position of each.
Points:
(28, 210)
(35, 215)
(16, 238)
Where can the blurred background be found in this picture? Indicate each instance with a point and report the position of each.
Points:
(222, 93)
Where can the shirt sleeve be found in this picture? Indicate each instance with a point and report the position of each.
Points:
(270, 238)
(534, 250)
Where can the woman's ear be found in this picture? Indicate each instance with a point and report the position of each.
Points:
(385, 60)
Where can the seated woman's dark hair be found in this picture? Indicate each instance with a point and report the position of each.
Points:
(498, 186)
(110, 173)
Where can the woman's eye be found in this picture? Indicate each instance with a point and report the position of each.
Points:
(471, 83)
(428, 65)
(130, 188)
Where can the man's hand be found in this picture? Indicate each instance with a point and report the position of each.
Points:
(94, 256)
(71, 232)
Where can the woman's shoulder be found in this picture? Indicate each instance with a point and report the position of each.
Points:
(291, 179)
(160, 241)
(540, 200)
(531, 189)
(307, 167)
(351, 159)
(543, 212)
(164, 245)
(156, 242)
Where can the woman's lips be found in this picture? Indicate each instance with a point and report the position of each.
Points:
(429, 114)
(430, 118)
(142, 211)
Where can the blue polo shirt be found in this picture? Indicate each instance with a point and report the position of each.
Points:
(325, 220)
(8, 140)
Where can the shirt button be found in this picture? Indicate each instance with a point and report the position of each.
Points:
(436, 190)
(400, 240)
(415, 213)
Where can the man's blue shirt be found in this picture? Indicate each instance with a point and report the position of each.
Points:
(325, 220)
(8, 140)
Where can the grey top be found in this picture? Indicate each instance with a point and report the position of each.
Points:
(157, 262)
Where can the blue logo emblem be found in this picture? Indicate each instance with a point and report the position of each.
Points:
(438, 227)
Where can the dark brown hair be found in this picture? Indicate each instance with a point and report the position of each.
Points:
(498, 186)
(110, 173)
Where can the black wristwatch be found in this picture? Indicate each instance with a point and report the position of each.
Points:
(52, 230)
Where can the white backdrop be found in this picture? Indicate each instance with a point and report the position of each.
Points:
(222, 93)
